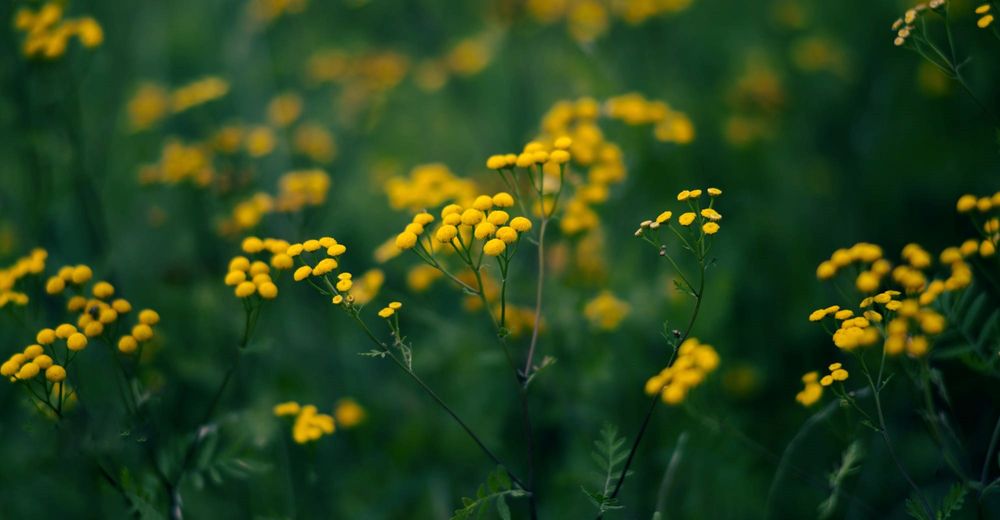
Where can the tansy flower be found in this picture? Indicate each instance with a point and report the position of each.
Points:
(686, 219)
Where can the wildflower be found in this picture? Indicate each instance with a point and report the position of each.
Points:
(127, 344)
(694, 361)
(812, 392)
(406, 240)
(76, 341)
(520, 224)
(55, 374)
(605, 311)
(686, 219)
(494, 247)
(710, 228)
(386, 312)
(348, 413)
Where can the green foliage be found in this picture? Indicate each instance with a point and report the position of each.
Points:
(494, 492)
(850, 464)
(610, 452)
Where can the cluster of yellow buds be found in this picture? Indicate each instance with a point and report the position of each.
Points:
(812, 390)
(332, 250)
(254, 277)
(390, 310)
(315, 142)
(198, 92)
(837, 373)
(985, 16)
(635, 110)
(694, 361)
(905, 26)
(587, 20)
(873, 266)
(813, 385)
(707, 218)
(309, 424)
(545, 166)
(152, 102)
(908, 324)
(178, 163)
(428, 186)
(48, 34)
(298, 189)
(854, 331)
(485, 220)
(605, 311)
(30, 264)
(987, 209)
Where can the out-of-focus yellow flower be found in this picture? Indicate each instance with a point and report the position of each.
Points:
(605, 311)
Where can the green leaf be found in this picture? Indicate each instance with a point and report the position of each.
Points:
(952, 502)
(502, 509)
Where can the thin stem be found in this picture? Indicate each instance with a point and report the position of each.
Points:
(653, 401)
(539, 291)
(989, 454)
(427, 389)
(889, 446)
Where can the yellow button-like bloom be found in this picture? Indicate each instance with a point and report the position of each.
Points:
(494, 247)
(686, 219)
(406, 240)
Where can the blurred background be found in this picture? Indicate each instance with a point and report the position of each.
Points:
(820, 132)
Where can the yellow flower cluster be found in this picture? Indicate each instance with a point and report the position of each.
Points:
(484, 220)
(694, 361)
(389, 310)
(813, 390)
(635, 110)
(985, 16)
(428, 186)
(309, 424)
(813, 384)
(467, 57)
(47, 34)
(178, 163)
(873, 267)
(706, 219)
(98, 312)
(837, 373)
(905, 26)
(31, 264)
(588, 20)
(909, 323)
(249, 278)
(198, 92)
(247, 214)
(605, 311)
(359, 75)
(298, 189)
(589, 150)
(315, 142)
(987, 209)
(270, 10)
(152, 102)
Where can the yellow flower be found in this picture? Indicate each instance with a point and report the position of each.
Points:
(686, 219)
(349, 413)
(494, 247)
(55, 374)
(76, 342)
(302, 273)
(664, 217)
(605, 311)
(520, 224)
(287, 408)
(127, 344)
(406, 240)
(149, 317)
(386, 312)
(710, 228)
